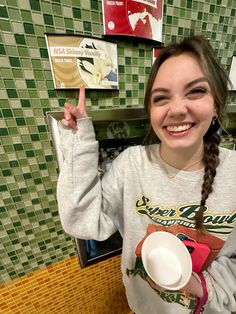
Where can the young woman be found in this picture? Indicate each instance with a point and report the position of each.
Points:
(180, 181)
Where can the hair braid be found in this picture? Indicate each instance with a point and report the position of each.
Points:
(211, 161)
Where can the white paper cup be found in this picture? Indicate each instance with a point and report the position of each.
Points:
(166, 260)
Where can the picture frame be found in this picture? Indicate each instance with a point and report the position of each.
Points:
(232, 74)
(135, 18)
(78, 61)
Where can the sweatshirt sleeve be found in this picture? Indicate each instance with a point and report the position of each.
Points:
(221, 278)
(84, 200)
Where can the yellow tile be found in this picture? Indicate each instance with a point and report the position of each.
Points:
(65, 288)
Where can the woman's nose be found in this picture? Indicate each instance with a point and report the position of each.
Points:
(177, 107)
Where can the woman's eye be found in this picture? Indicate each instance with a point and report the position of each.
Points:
(158, 99)
(197, 92)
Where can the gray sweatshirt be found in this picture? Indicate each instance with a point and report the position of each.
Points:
(135, 196)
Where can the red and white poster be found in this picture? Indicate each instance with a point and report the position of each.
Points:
(139, 18)
(155, 53)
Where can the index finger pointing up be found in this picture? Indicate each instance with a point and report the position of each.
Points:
(81, 100)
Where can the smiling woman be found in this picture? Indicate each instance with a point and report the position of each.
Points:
(172, 183)
(182, 109)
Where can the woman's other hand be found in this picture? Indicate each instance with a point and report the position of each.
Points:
(193, 286)
(72, 113)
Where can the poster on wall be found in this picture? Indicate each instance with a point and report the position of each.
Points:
(139, 18)
(155, 53)
(232, 73)
(82, 61)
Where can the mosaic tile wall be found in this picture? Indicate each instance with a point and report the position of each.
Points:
(30, 230)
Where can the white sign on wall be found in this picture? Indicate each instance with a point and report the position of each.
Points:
(232, 73)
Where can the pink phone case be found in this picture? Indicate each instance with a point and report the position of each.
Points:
(199, 253)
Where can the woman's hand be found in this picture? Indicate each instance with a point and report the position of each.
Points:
(193, 286)
(72, 113)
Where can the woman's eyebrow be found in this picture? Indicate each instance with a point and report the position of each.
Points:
(198, 80)
(160, 89)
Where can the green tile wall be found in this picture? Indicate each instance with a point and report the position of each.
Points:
(30, 229)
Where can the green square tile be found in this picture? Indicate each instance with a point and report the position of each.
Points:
(18, 147)
(41, 41)
(17, 73)
(38, 74)
(39, 30)
(7, 113)
(30, 121)
(182, 12)
(47, 7)
(23, 51)
(2, 49)
(87, 26)
(36, 63)
(35, 5)
(20, 121)
(30, 83)
(59, 22)
(221, 20)
(57, 9)
(23, 93)
(69, 24)
(95, 17)
(217, 10)
(14, 14)
(212, 8)
(9, 83)
(226, 20)
(33, 94)
(12, 50)
(48, 19)
(94, 5)
(12, 93)
(29, 28)
(26, 63)
(121, 69)
(76, 13)
(43, 53)
(204, 25)
(3, 188)
(26, 16)
(200, 15)
(20, 39)
(195, 5)
(127, 60)
(32, 41)
(50, 29)
(18, 112)
(3, 12)
(4, 132)
(189, 4)
(34, 137)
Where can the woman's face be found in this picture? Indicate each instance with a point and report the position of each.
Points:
(182, 106)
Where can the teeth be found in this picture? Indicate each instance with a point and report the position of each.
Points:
(179, 128)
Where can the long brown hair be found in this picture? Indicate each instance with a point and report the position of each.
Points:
(218, 82)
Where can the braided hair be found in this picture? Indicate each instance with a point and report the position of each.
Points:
(211, 161)
(218, 82)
